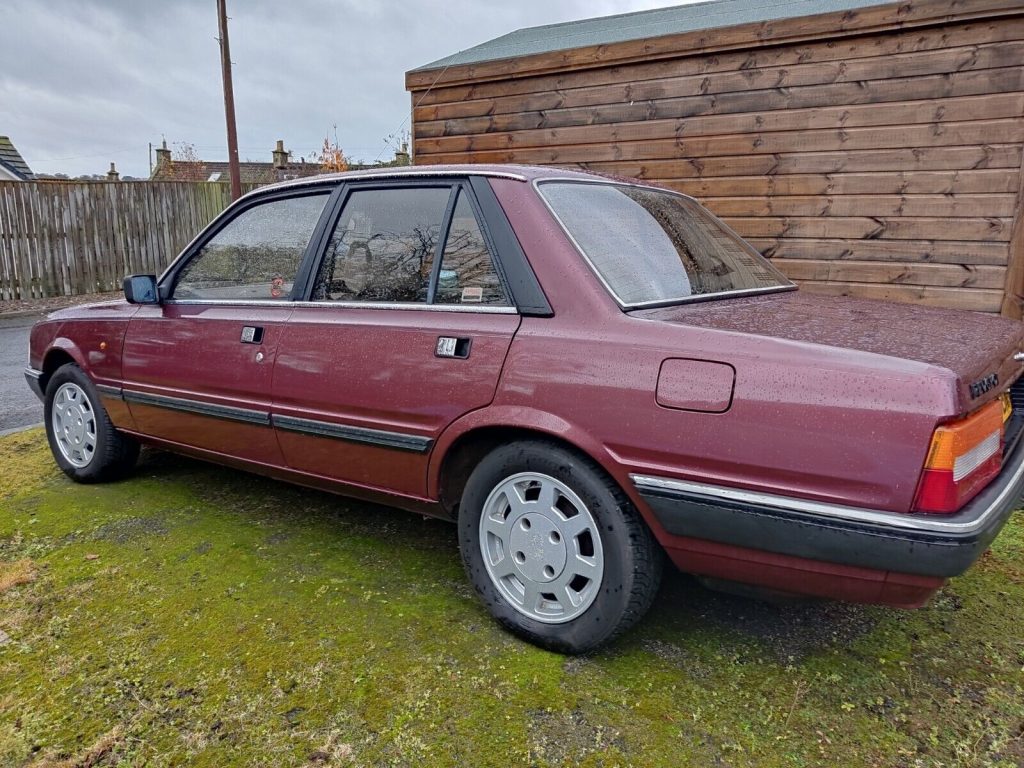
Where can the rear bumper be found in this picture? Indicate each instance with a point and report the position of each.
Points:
(924, 545)
(34, 379)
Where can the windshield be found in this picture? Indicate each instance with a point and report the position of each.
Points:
(654, 247)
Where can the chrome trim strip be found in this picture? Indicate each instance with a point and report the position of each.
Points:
(106, 389)
(33, 373)
(247, 415)
(410, 172)
(379, 437)
(660, 302)
(710, 297)
(591, 177)
(284, 304)
(903, 521)
(484, 309)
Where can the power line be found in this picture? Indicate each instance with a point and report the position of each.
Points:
(417, 104)
(95, 154)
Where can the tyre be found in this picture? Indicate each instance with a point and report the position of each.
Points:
(554, 547)
(84, 442)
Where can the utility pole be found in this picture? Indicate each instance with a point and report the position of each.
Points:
(229, 100)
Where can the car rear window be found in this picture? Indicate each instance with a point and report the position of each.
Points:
(654, 247)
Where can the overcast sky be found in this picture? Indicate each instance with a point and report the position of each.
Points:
(87, 82)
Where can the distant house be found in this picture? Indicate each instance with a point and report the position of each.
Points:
(12, 165)
(279, 169)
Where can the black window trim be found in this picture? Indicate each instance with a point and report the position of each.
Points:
(168, 278)
(510, 262)
(442, 242)
(346, 190)
(524, 288)
(517, 277)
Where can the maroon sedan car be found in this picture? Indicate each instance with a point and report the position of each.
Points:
(585, 373)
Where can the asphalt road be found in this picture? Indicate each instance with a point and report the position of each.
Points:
(18, 406)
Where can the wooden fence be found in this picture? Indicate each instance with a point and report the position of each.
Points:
(62, 238)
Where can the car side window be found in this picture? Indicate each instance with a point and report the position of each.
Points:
(467, 273)
(383, 246)
(256, 255)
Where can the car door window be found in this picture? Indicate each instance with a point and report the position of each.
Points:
(467, 274)
(383, 246)
(256, 255)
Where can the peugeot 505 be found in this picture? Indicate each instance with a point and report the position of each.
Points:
(585, 374)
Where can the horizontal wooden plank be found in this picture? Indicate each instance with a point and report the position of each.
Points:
(864, 227)
(999, 180)
(948, 275)
(902, 15)
(920, 63)
(865, 205)
(866, 46)
(954, 298)
(1004, 80)
(935, 159)
(1009, 131)
(983, 107)
(909, 251)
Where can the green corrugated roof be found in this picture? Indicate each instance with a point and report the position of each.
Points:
(641, 25)
(12, 160)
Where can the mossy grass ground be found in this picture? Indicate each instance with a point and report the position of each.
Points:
(194, 615)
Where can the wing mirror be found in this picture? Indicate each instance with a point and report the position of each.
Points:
(141, 289)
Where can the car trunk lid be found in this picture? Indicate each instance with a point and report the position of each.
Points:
(978, 348)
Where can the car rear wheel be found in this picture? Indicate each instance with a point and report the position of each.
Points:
(554, 548)
(82, 438)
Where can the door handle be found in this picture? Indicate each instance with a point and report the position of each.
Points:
(252, 334)
(450, 346)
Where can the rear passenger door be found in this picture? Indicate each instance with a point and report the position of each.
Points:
(407, 327)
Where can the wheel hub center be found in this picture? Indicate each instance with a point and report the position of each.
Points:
(538, 548)
(74, 423)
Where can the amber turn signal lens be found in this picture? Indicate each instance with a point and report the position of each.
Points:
(963, 457)
(957, 439)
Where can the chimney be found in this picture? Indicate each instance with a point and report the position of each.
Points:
(402, 155)
(112, 174)
(163, 155)
(280, 155)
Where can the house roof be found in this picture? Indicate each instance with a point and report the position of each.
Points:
(250, 173)
(12, 160)
(640, 25)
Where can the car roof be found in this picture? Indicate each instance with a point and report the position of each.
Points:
(523, 173)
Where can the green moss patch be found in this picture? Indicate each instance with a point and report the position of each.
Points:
(194, 615)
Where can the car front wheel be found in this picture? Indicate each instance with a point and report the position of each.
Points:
(554, 548)
(82, 438)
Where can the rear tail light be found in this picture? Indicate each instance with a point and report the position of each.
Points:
(963, 457)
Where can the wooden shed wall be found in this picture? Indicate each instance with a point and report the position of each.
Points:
(867, 158)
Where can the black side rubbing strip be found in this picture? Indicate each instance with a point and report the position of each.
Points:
(527, 294)
(194, 406)
(108, 391)
(354, 434)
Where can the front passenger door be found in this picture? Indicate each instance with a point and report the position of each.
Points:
(197, 368)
